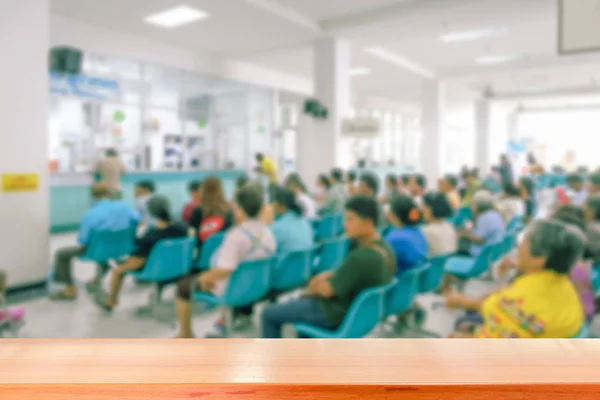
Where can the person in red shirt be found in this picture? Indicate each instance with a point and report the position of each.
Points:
(194, 189)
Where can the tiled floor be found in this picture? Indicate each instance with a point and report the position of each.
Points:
(83, 319)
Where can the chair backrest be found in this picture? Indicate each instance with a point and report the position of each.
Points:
(509, 242)
(583, 333)
(483, 260)
(208, 249)
(595, 278)
(332, 253)
(170, 259)
(110, 245)
(431, 278)
(463, 215)
(250, 282)
(400, 298)
(366, 312)
(293, 270)
(329, 227)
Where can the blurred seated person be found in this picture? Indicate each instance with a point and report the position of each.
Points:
(352, 187)
(163, 228)
(406, 239)
(472, 185)
(144, 190)
(440, 233)
(307, 203)
(291, 230)
(489, 228)
(250, 239)
(195, 196)
(542, 302)
(369, 186)
(403, 184)
(323, 186)
(577, 192)
(214, 214)
(594, 183)
(592, 215)
(527, 188)
(330, 294)
(391, 189)
(416, 188)
(267, 167)
(511, 205)
(335, 197)
(449, 187)
(106, 214)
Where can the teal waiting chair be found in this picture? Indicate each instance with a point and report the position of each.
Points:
(362, 317)
(169, 260)
(249, 283)
(208, 249)
(463, 215)
(109, 245)
(329, 227)
(402, 296)
(595, 278)
(515, 225)
(583, 333)
(431, 278)
(293, 270)
(331, 254)
(509, 243)
(464, 267)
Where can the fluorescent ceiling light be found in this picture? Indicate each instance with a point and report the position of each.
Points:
(359, 71)
(500, 59)
(175, 17)
(467, 36)
(401, 62)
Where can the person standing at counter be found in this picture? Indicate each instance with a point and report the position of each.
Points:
(109, 171)
(105, 215)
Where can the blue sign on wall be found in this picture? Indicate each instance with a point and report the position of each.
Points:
(83, 86)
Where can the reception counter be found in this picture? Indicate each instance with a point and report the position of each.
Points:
(303, 369)
(70, 193)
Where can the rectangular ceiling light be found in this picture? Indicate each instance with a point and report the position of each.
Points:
(468, 36)
(176, 17)
(500, 59)
(359, 71)
(401, 62)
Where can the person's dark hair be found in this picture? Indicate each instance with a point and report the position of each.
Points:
(251, 200)
(451, 179)
(295, 180)
(421, 180)
(259, 156)
(158, 207)
(531, 159)
(365, 207)
(194, 186)
(213, 197)
(405, 179)
(583, 170)
(351, 175)
(593, 203)
(406, 210)
(559, 243)
(324, 179)
(595, 179)
(147, 185)
(111, 153)
(511, 190)
(471, 173)
(528, 185)
(439, 205)
(362, 163)
(371, 181)
(574, 178)
(241, 181)
(337, 174)
(286, 198)
(391, 179)
(571, 215)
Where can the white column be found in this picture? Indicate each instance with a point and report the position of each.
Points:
(482, 136)
(24, 231)
(318, 140)
(432, 124)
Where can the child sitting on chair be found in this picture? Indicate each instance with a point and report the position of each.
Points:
(10, 317)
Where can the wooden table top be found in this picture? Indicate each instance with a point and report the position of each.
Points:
(300, 362)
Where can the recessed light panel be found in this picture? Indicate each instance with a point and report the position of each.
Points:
(176, 17)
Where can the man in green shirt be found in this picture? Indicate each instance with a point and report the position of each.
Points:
(330, 294)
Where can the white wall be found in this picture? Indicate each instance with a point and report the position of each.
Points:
(93, 38)
(24, 234)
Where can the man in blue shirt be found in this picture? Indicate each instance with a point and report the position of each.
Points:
(490, 228)
(291, 230)
(105, 215)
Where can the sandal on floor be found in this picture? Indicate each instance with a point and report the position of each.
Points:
(61, 296)
(102, 304)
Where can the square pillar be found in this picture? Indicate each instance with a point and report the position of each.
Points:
(432, 124)
(482, 136)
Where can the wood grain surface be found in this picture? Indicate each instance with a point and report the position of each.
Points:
(94, 369)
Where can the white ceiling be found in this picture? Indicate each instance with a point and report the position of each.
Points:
(268, 34)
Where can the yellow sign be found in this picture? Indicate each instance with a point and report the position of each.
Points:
(20, 182)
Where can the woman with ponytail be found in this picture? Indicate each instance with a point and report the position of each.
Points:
(406, 239)
(164, 228)
(291, 230)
